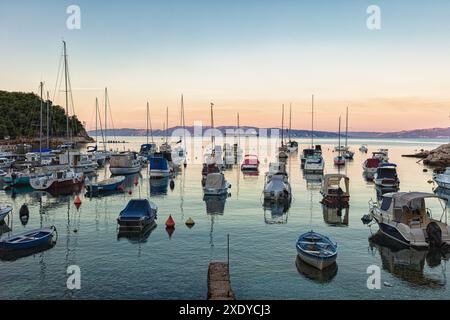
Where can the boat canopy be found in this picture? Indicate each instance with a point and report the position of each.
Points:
(214, 181)
(334, 180)
(402, 199)
(372, 162)
(276, 184)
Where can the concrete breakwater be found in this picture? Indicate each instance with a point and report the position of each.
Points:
(219, 284)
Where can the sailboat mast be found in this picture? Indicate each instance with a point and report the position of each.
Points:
(312, 122)
(282, 125)
(346, 129)
(96, 120)
(339, 136)
(66, 91)
(40, 126)
(47, 122)
(290, 121)
(183, 122)
(106, 119)
(239, 129)
(212, 126)
(147, 122)
(167, 123)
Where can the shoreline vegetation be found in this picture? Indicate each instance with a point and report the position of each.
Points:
(20, 121)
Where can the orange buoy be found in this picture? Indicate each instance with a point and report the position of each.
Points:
(77, 201)
(136, 182)
(170, 223)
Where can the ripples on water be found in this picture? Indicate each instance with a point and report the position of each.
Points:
(264, 264)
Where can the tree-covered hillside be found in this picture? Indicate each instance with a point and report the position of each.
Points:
(20, 117)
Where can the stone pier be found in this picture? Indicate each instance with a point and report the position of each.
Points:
(219, 284)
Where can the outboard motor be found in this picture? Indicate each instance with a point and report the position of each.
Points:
(434, 234)
(24, 214)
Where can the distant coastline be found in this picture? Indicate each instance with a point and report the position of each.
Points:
(432, 133)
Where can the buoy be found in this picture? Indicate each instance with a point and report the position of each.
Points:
(77, 202)
(190, 222)
(130, 191)
(170, 231)
(425, 170)
(135, 182)
(24, 214)
(75, 230)
(170, 223)
(172, 184)
(430, 181)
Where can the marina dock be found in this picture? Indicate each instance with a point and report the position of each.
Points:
(219, 284)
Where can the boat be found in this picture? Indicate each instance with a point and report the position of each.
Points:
(228, 155)
(332, 192)
(364, 148)
(159, 166)
(370, 167)
(215, 185)
(29, 239)
(147, 150)
(406, 218)
(277, 188)
(443, 179)
(312, 160)
(382, 154)
(291, 145)
(250, 163)
(22, 178)
(5, 209)
(209, 168)
(276, 168)
(316, 250)
(348, 154)
(124, 163)
(99, 157)
(386, 176)
(58, 181)
(5, 163)
(339, 160)
(3, 173)
(137, 215)
(312, 273)
(114, 183)
(79, 162)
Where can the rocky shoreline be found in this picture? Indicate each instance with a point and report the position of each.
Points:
(54, 142)
(439, 157)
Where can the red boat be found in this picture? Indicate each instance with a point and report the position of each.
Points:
(250, 163)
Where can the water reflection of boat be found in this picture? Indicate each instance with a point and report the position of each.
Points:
(15, 255)
(276, 212)
(335, 216)
(215, 204)
(320, 276)
(4, 228)
(407, 264)
(313, 180)
(136, 236)
(158, 187)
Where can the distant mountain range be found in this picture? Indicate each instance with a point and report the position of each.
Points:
(434, 133)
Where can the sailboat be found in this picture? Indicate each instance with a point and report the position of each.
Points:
(292, 145)
(347, 153)
(149, 148)
(66, 179)
(282, 150)
(339, 160)
(313, 160)
(179, 152)
(213, 160)
(99, 156)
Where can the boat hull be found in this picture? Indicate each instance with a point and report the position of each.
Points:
(320, 263)
(34, 238)
(155, 173)
(118, 171)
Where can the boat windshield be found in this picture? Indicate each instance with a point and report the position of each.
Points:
(388, 173)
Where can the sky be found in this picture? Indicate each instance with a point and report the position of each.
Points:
(246, 56)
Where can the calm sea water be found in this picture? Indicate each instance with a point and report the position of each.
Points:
(262, 242)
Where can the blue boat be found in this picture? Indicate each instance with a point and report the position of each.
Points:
(109, 185)
(147, 150)
(28, 240)
(316, 250)
(159, 166)
(138, 214)
(5, 209)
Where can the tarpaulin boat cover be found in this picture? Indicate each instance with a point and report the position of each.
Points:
(214, 181)
(137, 208)
(276, 184)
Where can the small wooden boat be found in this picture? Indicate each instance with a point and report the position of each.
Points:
(112, 184)
(5, 209)
(316, 250)
(138, 214)
(29, 239)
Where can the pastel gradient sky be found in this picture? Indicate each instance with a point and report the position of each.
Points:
(248, 56)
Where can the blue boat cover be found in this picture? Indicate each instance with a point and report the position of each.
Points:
(137, 208)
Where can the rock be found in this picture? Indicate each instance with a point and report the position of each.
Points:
(439, 157)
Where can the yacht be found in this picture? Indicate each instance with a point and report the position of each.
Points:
(124, 163)
(386, 176)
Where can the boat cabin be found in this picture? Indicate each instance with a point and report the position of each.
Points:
(408, 207)
(335, 185)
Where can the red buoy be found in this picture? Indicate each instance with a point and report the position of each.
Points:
(77, 202)
(170, 223)
(135, 182)
(130, 191)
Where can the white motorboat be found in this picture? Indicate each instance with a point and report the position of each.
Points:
(5, 163)
(406, 218)
(335, 190)
(386, 176)
(124, 163)
(57, 181)
(443, 179)
(277, 188)
(382, 154)
(364, 148)
(80, 162)
(215, 185)
(370, 167)
(228, 155)
(314, 164)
